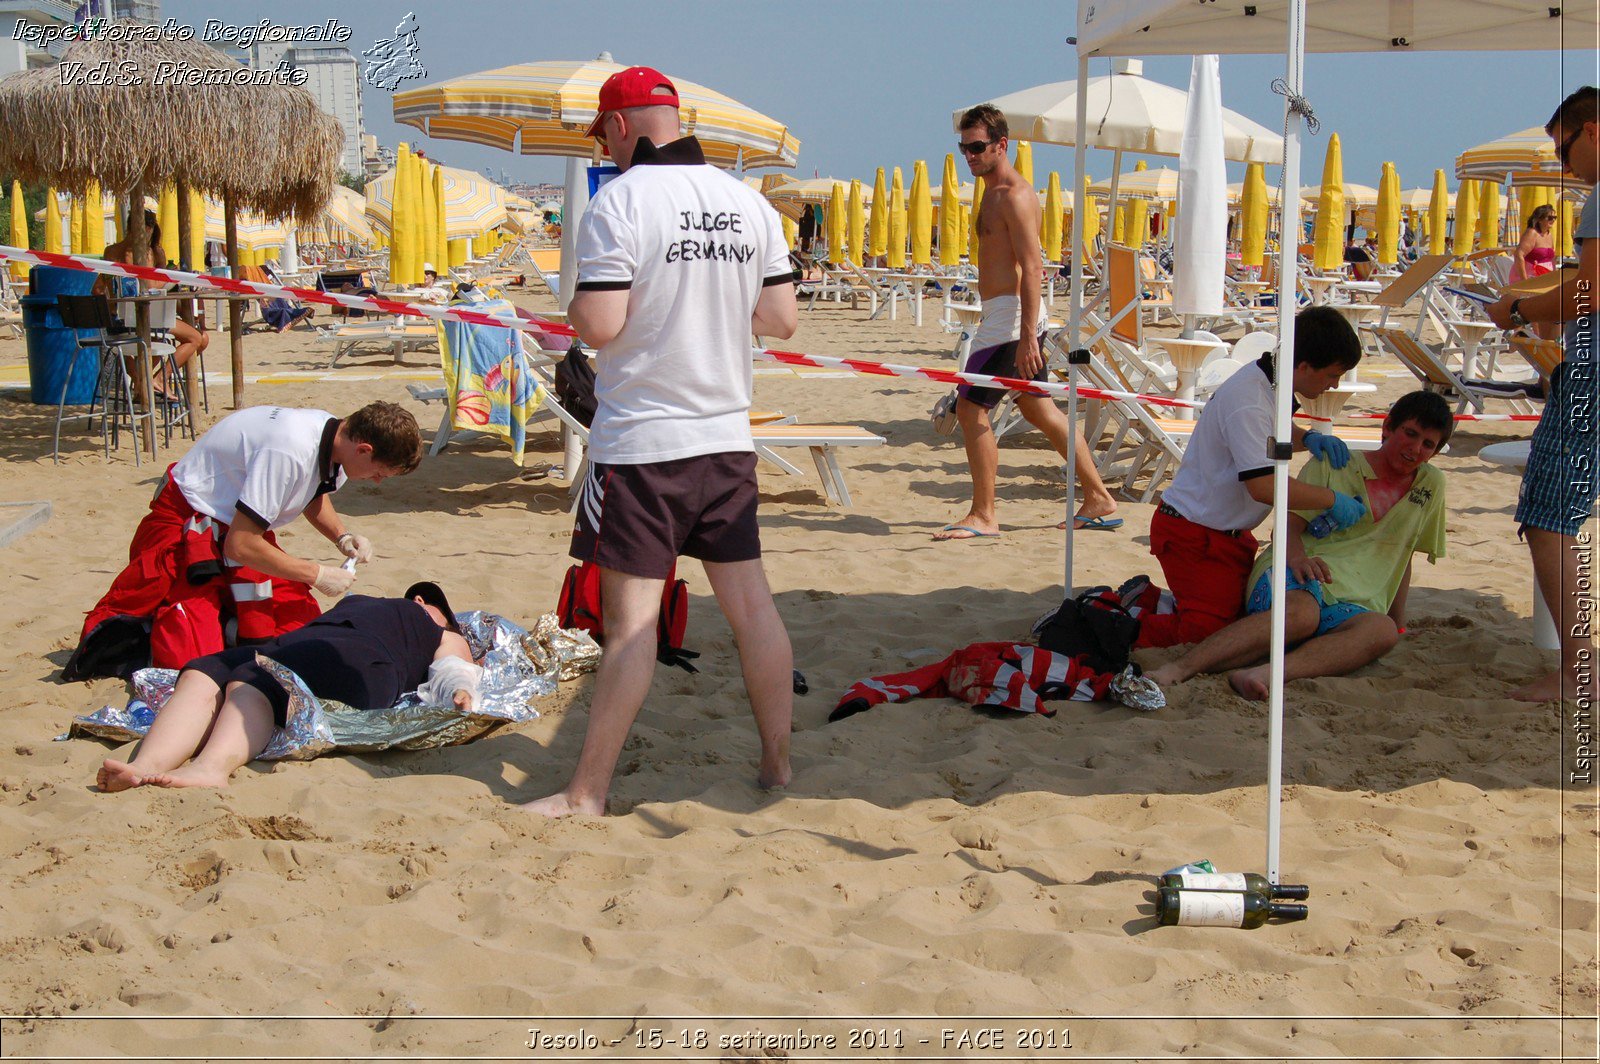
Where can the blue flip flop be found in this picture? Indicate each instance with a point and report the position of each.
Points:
(975, 534)
(1096, 524)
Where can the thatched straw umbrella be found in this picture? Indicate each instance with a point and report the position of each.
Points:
(188, 120)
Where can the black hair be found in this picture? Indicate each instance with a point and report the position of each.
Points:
(433, 595)
(1582, 106)
(1427, 409)
(990, 118)
(1323, 338)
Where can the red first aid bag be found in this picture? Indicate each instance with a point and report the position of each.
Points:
(579, 607)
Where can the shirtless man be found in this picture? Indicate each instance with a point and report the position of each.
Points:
(1007, 341)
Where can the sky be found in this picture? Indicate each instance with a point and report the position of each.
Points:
(865, 85)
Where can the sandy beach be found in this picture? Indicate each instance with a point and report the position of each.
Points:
(929, 861)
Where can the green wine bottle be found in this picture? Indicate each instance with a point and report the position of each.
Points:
(1215, 908)
(1235, 881)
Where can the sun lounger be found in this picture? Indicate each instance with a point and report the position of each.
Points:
(1429, 367)
(397, 338)
(821, 440)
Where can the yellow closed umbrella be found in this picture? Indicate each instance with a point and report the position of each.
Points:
(1488, 214)
(94, 221)
(856, 219)
(836, 224)
(441, 239)
(1466, 218)
(1328, 233)
(791, 230)
(1438, 216)
(1136, 219)
(1050, 225)
(1024, 163)
(1119, 225)
(921, 216)
(52, 222)
(1564, 229)
(19, 227)
(167, 217)
(430, 215)
(1253, 217)
(880, 215)
(1388, 219)
(949, 215)
(974, 219)
(965, 230)
(75, 225)
(398, 219)
(897, 223)
(1091, 219)
(197, 230)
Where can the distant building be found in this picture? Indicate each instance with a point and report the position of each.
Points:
(25, 54)
(377, 159)
(333, 78)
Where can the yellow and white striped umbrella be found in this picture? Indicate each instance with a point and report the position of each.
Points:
(1354, 195)
(791, 197)
(525, 221)
(256, 232)
(1527, 149)
(544, 108)
(1161, 183)
(473, 204)
(345, 216)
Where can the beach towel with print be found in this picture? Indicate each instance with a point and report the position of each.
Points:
(1017, 676)
(486, 376)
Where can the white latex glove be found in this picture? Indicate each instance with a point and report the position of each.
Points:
(333, 582)
(357, 547)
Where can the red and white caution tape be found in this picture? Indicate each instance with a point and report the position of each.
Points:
(1458, 417)
(472, 317)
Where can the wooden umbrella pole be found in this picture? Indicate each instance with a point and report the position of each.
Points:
(235, 307)
(186, 307)
(139, 244)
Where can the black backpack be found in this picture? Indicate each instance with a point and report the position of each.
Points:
(575, 384)
(1095, 625)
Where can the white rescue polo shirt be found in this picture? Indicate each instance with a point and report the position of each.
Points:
(693, 247)
(1231, 446)
(267, 462)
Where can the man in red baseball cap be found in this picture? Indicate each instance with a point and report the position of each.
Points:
(678, 264)
(638, 86)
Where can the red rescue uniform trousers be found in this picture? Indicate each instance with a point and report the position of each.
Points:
(187, 618)
(1206, 571)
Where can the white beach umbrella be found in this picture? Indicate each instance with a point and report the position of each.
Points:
(1201, 237)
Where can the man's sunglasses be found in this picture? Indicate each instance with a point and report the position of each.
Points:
(1566, 148)
(975, 147)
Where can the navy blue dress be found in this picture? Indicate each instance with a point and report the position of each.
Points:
(365, 652)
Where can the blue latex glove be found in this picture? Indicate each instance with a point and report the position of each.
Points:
(1346, 509)
(1330, 449)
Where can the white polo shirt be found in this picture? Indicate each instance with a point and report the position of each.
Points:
(1231, 445)
(693, 247)
(267, 462)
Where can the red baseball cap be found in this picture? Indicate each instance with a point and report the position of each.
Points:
(634, 87)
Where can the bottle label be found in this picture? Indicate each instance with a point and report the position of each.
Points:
(1214, 881)
(1202, 909)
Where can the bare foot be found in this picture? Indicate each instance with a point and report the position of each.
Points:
(559, 805)
(117, 776)
(774, 779)
(190, 775)
(1549, 689)
(1250, 683)
(969, 527)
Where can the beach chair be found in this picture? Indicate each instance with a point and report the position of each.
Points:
(398, 336)
(1543, 355)
(1428, 365)
(822, 441)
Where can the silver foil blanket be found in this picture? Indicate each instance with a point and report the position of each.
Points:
(518, 666)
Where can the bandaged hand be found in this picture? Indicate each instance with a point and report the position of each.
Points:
(449, 678)
(1330, 449)
(357, 547)
(333, 582)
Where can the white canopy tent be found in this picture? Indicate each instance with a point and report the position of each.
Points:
(1184, 27)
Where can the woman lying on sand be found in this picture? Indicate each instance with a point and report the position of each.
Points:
(365, 652)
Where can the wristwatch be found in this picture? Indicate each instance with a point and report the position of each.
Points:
(1516, 314)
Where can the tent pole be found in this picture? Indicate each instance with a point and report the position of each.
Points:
(1288, 269)
(235, 307)
(1075, 288)
(185, 307)
(138, 238)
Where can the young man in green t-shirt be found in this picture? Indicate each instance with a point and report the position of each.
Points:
(1347, 591)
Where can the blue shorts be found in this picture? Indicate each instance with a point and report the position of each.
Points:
(1559, 487)
(1331, 617)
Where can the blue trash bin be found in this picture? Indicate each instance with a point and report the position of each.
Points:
(52, 347)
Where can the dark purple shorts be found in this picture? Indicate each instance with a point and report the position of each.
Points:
(1000, 361)
(638, 519)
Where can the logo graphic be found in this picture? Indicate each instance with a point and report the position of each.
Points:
(395, 60)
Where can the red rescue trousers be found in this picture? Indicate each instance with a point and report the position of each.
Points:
(1206, 571)
(177, 579)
